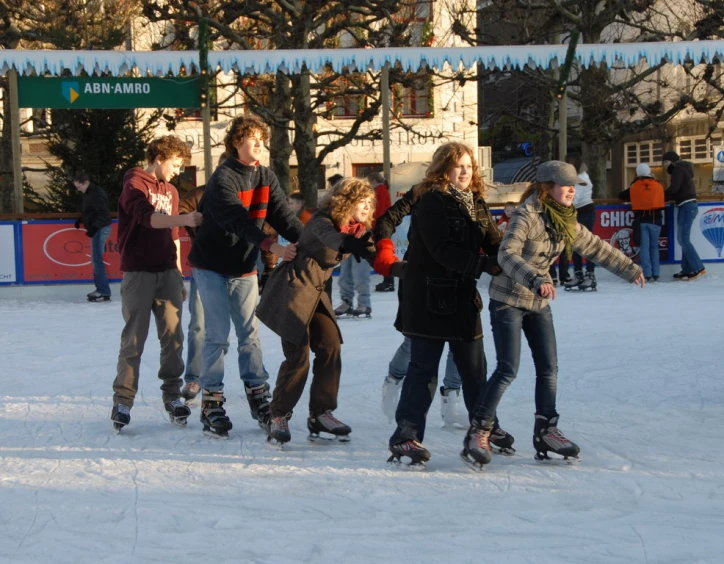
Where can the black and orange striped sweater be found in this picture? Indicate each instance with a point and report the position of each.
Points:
(237, 201)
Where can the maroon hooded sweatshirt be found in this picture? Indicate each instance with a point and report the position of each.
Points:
(143, 248)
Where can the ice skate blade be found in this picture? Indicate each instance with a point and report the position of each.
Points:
(220, 434)
(565, 460)
(472, 463)
(322, 439)
(99, 300)
(396, 463)
(178, 421)
(274, 444)
(503, 451)
(117, 427)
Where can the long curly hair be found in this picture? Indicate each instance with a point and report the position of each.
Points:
(344, 196)
(444, 159)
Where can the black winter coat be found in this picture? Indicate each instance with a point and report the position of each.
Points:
(682, 186)
(441, 300)
(95, 211)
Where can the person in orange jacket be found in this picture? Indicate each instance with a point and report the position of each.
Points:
(382, 193)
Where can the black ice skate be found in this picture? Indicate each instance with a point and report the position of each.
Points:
(177, 411)
(575, 282)
(476, 445)
(277, 430)
(259, 398)
(96, 296)
(216, 423)
(589, 283)
(500, 441)
(326, 426)
(414, 451)
(386, 286)
(547, 437)
(344, 309)
(362, 311)
(121, 416)
(190, 391)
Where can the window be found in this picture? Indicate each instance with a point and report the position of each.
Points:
(414, 11)
(363, 170)
(698, 149)
(649, 152)
(348, 100)
(414, 97)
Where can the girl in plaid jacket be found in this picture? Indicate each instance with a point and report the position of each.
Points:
(543, 225)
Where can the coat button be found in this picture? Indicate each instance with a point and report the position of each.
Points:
(320, 288)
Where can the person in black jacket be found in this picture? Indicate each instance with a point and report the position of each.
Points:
(239, 197)
(450, 226)
(683, 192)
(96, 218)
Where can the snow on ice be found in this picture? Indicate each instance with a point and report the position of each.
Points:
(640, 390)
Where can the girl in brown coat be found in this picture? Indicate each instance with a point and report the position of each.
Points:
(296, 307)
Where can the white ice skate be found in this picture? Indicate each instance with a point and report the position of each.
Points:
(453, 410)
(391, 388)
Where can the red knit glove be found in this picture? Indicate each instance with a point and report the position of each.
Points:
(385, 257)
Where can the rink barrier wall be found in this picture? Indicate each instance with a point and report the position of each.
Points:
(42, 252)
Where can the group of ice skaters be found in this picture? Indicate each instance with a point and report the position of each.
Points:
(453, 239)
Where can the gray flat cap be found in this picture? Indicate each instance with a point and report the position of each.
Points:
(557, 172)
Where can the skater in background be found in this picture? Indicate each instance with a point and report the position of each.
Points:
(586, 213)
(239, 197)
(452, 408)
(96, 218)
(195, 333)
(450, 225)
(646, 195)
(148, 223)
(540, 228)
(383, 203)
(298, 206)
(296, 307)
(683, 192)
(504, 219)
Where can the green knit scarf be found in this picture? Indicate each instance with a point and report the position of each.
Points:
(564, 220)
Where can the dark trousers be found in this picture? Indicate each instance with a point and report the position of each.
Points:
(323, 340)
(562, 274)
(587, 219)
(420, 384)
(508, 322)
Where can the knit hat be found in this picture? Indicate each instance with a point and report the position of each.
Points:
(643, 170)
(671, 156)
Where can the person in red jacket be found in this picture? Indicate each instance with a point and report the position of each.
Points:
(382, 193)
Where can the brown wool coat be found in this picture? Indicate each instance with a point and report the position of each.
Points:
(295, 288)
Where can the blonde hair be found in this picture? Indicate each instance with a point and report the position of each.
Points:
(542, 189)
(344, 196)
(445, 158)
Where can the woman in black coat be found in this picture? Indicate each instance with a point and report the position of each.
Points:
(451, 228)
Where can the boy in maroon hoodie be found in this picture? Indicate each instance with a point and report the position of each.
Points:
(148, 223)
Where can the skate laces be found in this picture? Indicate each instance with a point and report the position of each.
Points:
(482, 437)
(281, 423)
(124, 409)
(555, 433)
(327, 417)
(175, 403)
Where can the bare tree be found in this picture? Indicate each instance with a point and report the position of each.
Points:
(58, 24)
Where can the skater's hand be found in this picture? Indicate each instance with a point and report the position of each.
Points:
(548, 291)
(385, 257)
(359, 247)
(287, 252)
(640, 280)
(193, 219)
(77, 223)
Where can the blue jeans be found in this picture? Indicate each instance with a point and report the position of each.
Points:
(401, 360)
(353, 276)
(508, 322)
(98, 245)
(195, 335)
(226, 299)
(420, 384)
(649, 250)
(690, 261)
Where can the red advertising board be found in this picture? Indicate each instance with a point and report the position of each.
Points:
(615, 225)
(58, 252)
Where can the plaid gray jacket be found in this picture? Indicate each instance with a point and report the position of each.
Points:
(529, 247)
